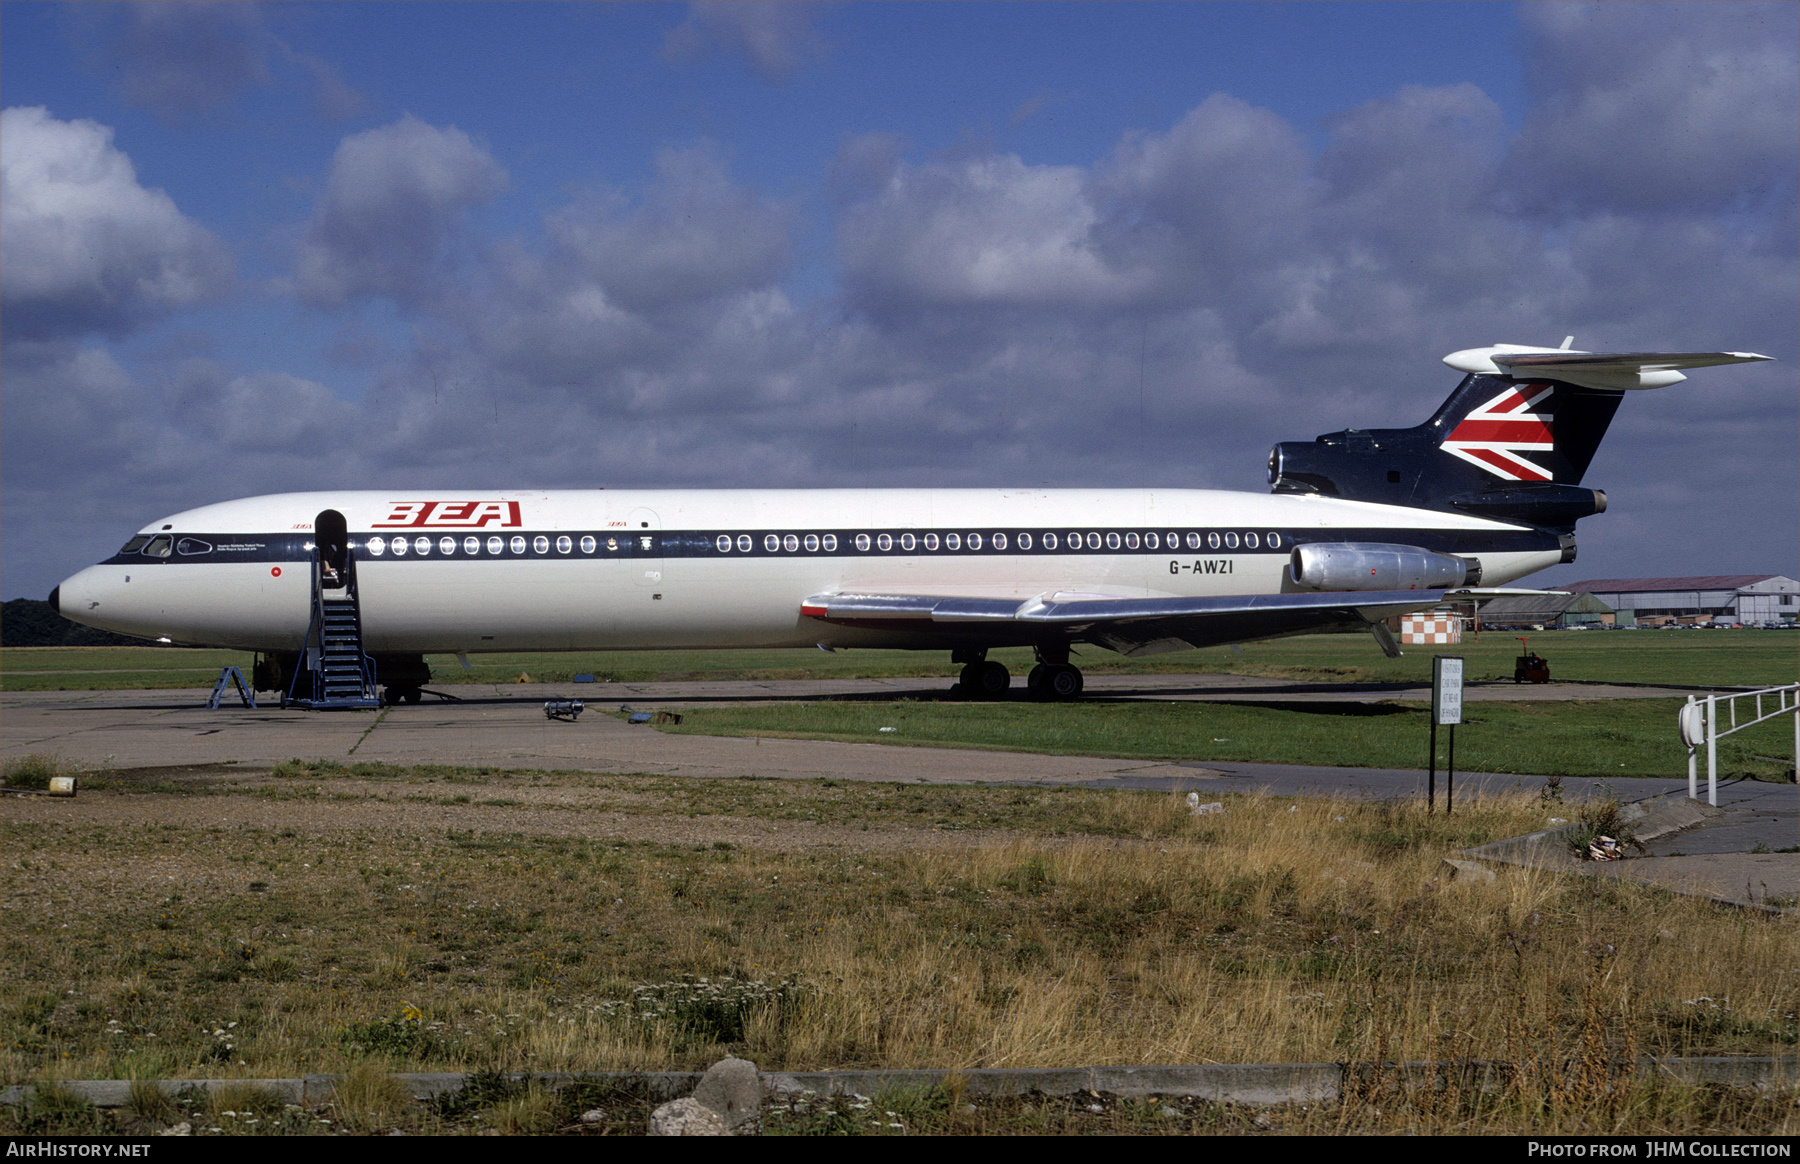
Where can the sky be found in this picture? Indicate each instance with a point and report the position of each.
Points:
(254, 248)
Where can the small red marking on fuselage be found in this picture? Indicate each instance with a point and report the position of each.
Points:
(275, 572)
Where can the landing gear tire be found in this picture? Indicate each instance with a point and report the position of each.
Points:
(986, 680)
(1056, 682)
(991, 681)
(396, 695)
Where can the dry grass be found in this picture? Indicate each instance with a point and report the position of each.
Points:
(1102, 928)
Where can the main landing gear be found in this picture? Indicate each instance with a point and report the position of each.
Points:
(1052, 679)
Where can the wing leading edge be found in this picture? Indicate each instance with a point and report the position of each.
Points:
(1130, 626)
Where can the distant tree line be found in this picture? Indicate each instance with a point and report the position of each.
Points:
(30, 622)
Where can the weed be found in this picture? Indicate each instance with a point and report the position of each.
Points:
(32, 772)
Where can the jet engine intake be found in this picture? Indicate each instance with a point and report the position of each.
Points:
(1379, 566)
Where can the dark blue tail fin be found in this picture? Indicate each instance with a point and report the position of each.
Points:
(1512, 442)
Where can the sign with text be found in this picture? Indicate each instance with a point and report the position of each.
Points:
(1446, 689)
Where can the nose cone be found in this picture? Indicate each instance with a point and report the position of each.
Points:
(90, 596)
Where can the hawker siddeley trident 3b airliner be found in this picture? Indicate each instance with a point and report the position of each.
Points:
(345, 593)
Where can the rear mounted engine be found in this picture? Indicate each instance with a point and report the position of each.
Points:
(1379, 566)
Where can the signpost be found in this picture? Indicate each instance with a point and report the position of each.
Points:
(1446, 709)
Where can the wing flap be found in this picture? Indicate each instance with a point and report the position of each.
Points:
(1131, 626)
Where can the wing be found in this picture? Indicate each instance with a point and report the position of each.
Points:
(1131, 626)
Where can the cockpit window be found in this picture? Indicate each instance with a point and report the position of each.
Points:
(159, 546)
(135, 544)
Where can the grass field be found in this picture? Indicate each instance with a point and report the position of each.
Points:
(1622, 737)
(875, 925)
(1726, 658)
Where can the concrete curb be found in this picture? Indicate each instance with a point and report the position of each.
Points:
(1652, 818)
(1257, 1084)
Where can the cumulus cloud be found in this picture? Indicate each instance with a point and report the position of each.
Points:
(392, 211)
(185, 60)
(182, 59)
(1669, 106)
(86, 248)
(1156, 316)
(772, 37)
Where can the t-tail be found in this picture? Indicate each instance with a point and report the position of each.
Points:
(1511, 443)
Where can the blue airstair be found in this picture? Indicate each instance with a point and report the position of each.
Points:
(334, 672)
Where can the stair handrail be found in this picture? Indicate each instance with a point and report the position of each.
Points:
(355, 596)
(315, 623)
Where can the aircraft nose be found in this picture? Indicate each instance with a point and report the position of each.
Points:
(56, 600)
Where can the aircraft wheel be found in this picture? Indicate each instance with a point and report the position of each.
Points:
(1034, 682)
(992, 680)
(968, 684)
(1063, 682)
(412, 695)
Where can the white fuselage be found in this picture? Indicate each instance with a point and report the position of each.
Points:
(645, 569)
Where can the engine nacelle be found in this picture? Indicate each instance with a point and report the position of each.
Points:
(1379, 566)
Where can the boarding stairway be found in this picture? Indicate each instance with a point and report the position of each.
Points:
(334, 672)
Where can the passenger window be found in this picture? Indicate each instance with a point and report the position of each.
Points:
(376, 546)
(1074, 541)
(974, 541)
(744, 543)
(518, 545)
(540, 544)
(812, 543)
(564, 545)
(885, 542)
(588, 544)
(159, 546)
(399, 547)
(1150, 540)
(1131, 541)
(1212, 541)
(1112, 541)
(496, 545)
(999, 541)
(907, 542)
(422, 544)
(931, 541)
(471, 545)
(1250, 540)
(1049, 540)
(790, 543)
(1193, 541)
(723, 541)
(771, 543)
(1231, 541)
(831, 543)
(952, 541)
(1274, 541)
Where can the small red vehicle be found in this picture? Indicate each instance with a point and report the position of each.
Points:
(1530, 667)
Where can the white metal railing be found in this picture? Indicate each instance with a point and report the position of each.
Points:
(1700, 727)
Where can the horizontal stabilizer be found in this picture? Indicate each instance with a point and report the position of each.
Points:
(1612, 371)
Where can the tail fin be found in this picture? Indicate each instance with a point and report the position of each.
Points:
(1512, 442)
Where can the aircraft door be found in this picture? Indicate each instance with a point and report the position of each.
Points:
(332, 539)
(646, 548)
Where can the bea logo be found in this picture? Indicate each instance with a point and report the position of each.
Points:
(450, 515)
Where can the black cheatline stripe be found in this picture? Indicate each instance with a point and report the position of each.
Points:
(285, 547)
